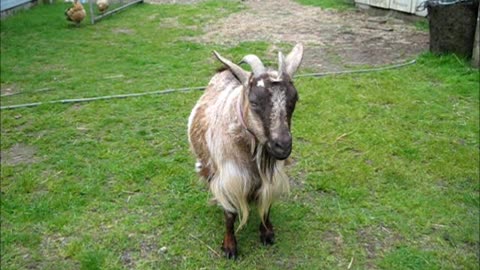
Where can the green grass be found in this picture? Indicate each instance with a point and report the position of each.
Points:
(386, 163)
(422, 25)
(332, 4)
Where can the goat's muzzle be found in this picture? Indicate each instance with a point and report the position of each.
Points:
(280, 148)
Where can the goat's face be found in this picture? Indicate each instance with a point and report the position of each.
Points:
(272, 103)
(271, 97)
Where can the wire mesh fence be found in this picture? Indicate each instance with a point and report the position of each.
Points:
(99, 9)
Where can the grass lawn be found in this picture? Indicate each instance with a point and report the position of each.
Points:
(386, 172)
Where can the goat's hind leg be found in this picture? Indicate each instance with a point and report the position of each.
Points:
(267, 235)
(229, 245)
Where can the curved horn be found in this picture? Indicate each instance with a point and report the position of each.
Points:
(241, 74)
(257, 66)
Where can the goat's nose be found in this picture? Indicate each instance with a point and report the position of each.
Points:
(282, 147)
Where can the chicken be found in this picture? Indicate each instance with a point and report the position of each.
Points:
(102, 5)
(76, 13)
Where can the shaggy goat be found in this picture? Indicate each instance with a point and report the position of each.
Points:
(239, 131)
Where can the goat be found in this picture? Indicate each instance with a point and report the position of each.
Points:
(239, 131)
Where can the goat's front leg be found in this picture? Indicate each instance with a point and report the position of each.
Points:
(229, 245)
(267, 235)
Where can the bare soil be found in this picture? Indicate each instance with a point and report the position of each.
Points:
(334, 40)
(18, 154)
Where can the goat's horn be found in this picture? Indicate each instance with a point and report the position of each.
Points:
(294, 59)
(241, 74)
(257, 66)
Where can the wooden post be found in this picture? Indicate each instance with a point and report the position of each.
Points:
(92, 16)
(476, 43)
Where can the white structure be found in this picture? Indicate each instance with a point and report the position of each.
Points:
(8, 6)
(408, 6)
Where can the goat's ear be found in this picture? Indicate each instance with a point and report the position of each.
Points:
(241, 74)
(293, 60)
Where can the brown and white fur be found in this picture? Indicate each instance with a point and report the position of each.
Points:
(76, 13)
(102, 5)
(239, 131)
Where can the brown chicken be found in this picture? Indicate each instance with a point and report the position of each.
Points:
(102, 5)
(76, 13)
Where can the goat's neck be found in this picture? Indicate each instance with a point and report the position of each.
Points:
(242, 110)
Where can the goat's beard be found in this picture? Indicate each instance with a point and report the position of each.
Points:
(266, 163)
(273, 180)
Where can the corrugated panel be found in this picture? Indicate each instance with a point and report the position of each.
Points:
(408, 6)
(401, 5)
(8, 4)
(380, 3)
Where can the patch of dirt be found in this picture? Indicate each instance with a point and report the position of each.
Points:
(147, 250)
(126, 31)
(53, 242)
(376, 241)
(18, 154)
(336, 239)
(128, 260)
(8, 89)
(334, 40)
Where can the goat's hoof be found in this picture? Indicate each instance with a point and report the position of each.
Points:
(267, 238)
(267, 234)
(229, 247)
(230, 252)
